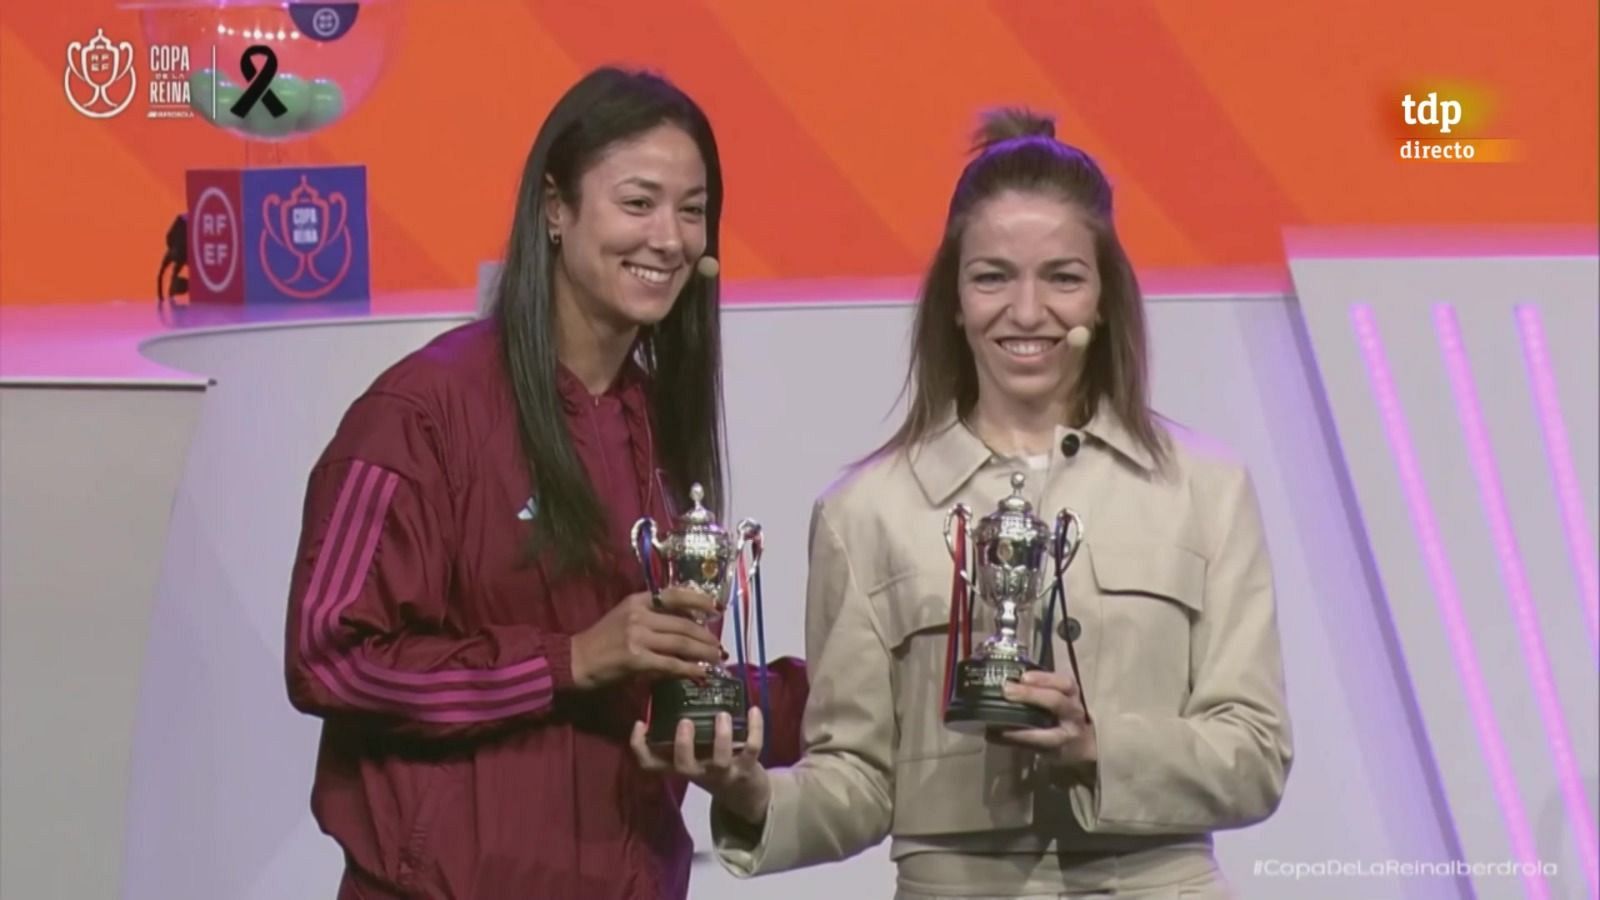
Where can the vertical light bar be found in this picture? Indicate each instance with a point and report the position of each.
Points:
(1515, 576)
(1580, 543)
(1449, 600)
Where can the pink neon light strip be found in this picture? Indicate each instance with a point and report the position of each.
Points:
(1580, 543)
(1449, 600)
(1404, 241)
(1515, 576)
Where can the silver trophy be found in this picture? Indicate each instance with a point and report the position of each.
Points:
(1011, 548)
(700, 555)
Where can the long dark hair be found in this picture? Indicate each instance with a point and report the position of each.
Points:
(1017, 150)
(681, 354)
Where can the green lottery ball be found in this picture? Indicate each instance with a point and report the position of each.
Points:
(261, 123)
(227, 96)
(295, 94)
(200, 85)
(327, 105)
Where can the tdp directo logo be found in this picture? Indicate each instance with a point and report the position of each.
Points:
(1450, 125)
(1446, 114)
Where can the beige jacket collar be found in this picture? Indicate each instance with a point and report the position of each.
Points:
(948, 459)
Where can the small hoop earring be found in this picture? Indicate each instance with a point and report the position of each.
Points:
(555, 238)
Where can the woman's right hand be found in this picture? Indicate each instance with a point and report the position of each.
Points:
(636, 638)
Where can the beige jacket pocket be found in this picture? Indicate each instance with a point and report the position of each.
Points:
(1151, 595)
(945, 781)
(914, 610)
(1161, 571)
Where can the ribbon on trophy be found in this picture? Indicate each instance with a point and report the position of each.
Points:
(747, 587)
(646, 537)
(1058, 601)
(958, 643)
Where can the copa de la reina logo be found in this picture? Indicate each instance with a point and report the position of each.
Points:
(1450, 124)
(100, 81)
(102, 78)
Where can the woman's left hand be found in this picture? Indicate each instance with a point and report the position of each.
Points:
(1071, 742)
(734, 778)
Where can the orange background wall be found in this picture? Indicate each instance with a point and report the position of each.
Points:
(842, 124)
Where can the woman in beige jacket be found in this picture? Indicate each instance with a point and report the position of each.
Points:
(1029, 356)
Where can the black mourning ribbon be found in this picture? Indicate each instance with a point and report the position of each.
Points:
(260, 88)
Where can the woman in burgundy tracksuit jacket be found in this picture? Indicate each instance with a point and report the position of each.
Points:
(466, 615)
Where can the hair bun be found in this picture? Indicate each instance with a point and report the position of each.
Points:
(1009, 123)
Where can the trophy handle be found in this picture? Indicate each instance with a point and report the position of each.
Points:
(634, 535)
(1068, 537)
(750, 536)
(949, 538)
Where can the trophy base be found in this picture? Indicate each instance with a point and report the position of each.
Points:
(979, 703)
(675, 699)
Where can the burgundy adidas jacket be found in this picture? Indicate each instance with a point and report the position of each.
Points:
(456, 760)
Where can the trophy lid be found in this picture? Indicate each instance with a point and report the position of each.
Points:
(1015, 507)
(1013, 524)
(698, 518)
(1016, 503)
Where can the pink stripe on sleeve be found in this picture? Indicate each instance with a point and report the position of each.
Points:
(446, 695)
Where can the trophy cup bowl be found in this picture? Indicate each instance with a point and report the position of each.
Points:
(699, 555)
(1011, 548)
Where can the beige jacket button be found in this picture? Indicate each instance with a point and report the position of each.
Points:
(1069, 629)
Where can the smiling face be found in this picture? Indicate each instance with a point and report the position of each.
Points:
(1027, 276)
(628, 246)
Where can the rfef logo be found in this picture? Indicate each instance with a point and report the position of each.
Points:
(99, 80)
(324, 21)
(215, 241)
(285, 234)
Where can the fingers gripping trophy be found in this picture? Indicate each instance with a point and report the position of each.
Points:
(700, 555)
(1003, 556)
